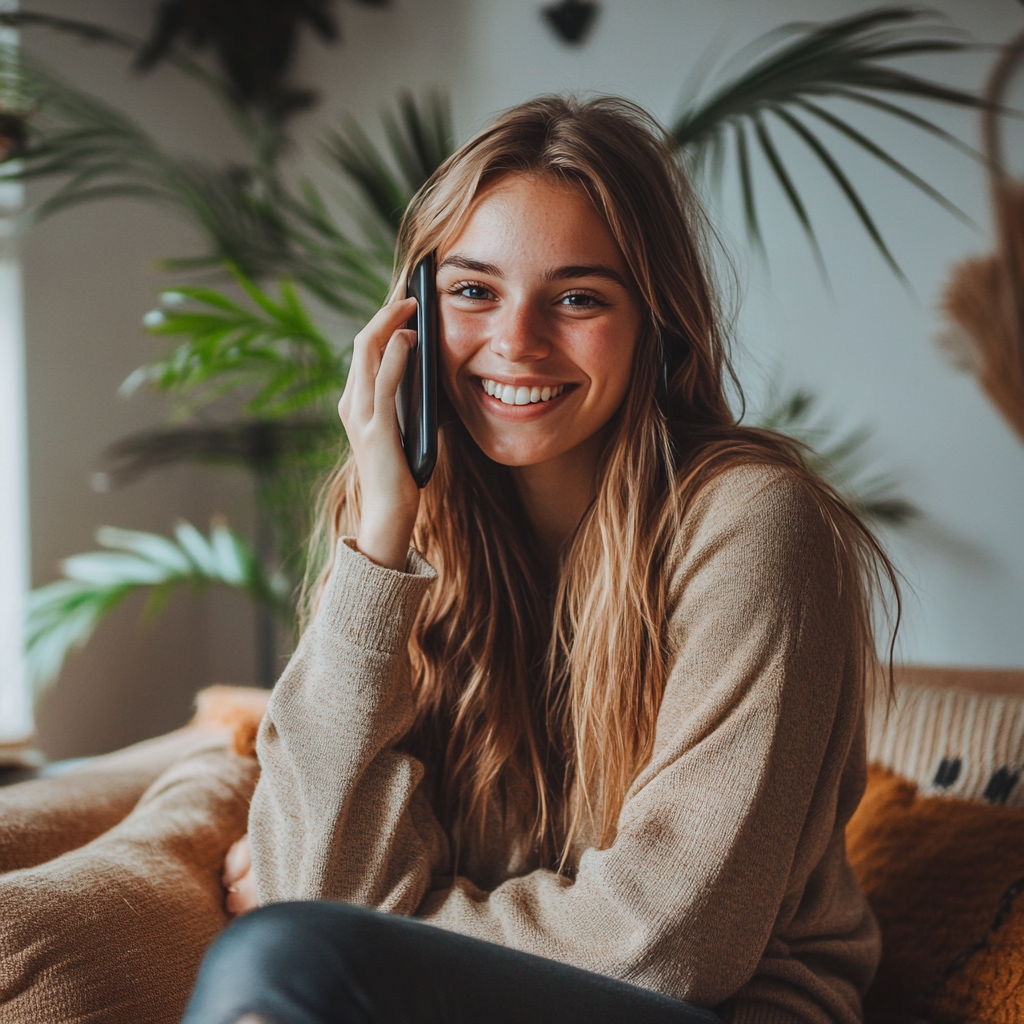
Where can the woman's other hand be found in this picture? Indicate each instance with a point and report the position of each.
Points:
(238, 879)
(390, 497)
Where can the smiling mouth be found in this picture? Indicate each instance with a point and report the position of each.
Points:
(507, 394)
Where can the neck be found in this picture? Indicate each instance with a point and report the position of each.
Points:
(556, 493)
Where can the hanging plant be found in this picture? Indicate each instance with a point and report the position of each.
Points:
(254, 42)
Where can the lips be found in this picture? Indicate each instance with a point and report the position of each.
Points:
(509, 394)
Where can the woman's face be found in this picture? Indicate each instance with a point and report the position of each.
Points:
(538, 323)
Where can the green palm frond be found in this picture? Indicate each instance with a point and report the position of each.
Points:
(63, 615)
(420, 138)
(352, 277)
(798, 67)
(96, 152)
(246, 214)
(840, 457)
(288, 459)
(271, 347)
(254, 125)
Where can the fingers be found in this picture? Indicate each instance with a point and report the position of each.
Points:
(367, 352)
(239, 879)
(241, 896)
(237, 862)
(392, 367)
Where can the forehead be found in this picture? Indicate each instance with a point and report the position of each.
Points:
(535, 217)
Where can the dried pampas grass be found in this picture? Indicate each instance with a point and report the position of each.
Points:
(984, 299)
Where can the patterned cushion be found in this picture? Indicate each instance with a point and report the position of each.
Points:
(953, 732)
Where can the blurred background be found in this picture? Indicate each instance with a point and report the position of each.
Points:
(894, 411)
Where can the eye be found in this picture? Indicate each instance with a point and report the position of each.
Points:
(580, 300)
(475, 292)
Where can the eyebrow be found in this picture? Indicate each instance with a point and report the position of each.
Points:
(559, 274)
(465, 263)
(594, 270)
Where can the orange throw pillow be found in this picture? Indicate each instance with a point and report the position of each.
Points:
(987, 987)
(942, 877)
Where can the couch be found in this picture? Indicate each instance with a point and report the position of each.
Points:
(109, 874)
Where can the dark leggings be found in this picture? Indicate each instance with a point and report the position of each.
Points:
(331, 963)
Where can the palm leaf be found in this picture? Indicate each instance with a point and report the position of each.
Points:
(63, 615)
(270, 348)
(798, 66)
(101, 153)
(420, 138)
(842, 457)
(253, 128)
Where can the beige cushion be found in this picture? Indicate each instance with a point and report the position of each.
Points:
(46, 817)
(113, 932)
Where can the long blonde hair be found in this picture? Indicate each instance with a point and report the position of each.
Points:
(538, 687)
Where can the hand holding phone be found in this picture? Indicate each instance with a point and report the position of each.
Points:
(416, 400)
(390, 496)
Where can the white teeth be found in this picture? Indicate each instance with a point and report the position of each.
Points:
(509, 395)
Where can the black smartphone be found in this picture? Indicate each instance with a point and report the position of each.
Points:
(417, 396)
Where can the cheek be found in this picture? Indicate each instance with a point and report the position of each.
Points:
(459, 340)
(608, 362)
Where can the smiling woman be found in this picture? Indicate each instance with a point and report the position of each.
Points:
(546, 310)
(592, 700)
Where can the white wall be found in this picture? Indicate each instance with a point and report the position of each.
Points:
(868, 349)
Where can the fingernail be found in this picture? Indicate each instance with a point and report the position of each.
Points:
(232, 888)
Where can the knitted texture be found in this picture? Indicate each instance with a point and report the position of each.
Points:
(988, 986)
(47, 817)
(727, 883)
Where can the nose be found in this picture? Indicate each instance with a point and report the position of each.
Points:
(519, 335)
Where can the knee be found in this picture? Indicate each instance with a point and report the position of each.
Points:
(265, 936)
(285, 937)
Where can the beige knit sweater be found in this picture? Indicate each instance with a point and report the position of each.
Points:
(727, 884)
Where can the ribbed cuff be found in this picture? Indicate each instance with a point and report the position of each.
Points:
(761, 1013)
(374, 607)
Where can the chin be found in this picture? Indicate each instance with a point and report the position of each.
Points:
(514, 457)
(513, 452)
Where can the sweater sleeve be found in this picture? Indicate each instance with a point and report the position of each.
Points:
(721, 833)
(338, 813)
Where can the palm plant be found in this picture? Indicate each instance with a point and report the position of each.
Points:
(269, 354)
(798, 67)
(63, 615)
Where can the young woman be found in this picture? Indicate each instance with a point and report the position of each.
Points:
(591, 702)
